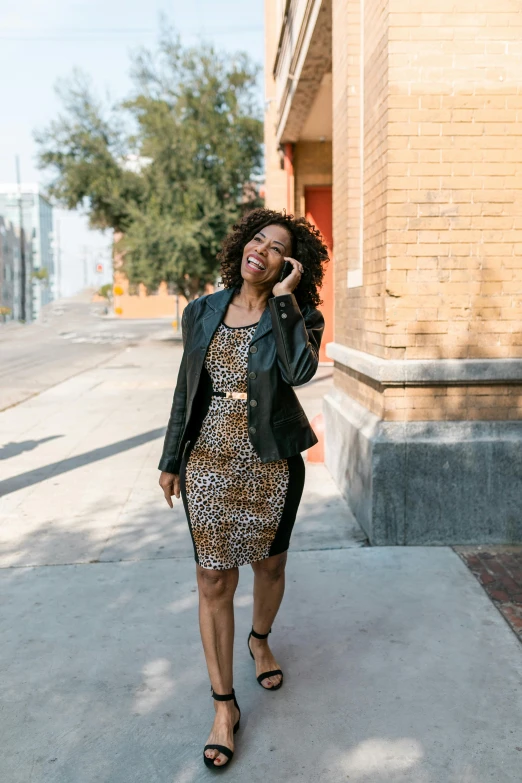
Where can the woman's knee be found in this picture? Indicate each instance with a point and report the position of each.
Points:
(216, 585)
(272, 568)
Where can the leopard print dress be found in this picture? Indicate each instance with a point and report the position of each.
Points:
(239, 509)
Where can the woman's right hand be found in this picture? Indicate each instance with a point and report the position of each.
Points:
(169, 482)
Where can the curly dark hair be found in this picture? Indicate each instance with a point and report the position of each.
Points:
(308, 247)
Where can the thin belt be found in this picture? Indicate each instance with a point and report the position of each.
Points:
(230, 395)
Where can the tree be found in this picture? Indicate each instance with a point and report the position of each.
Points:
(171, 168)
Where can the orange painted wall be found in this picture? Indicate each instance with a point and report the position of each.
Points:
(143, 305)
(318, 210)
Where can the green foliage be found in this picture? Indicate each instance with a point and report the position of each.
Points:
(171, 167)
(84, 148)
(106, 291)
(41, 274)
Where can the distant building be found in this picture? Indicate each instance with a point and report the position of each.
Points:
(11, 274)
(38, 226)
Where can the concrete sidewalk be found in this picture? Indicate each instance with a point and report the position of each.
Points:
(398, 667)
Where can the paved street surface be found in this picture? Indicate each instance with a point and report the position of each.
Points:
(398, 667)
(71, 336)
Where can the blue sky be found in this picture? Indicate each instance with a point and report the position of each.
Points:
(41, 41)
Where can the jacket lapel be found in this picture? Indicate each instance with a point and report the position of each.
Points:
(264, 325)
(216, 305)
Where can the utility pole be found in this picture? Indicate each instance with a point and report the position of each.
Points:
(85, 249)
(23, 271)
(58, 261)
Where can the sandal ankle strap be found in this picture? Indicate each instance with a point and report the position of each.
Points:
(224, 697)
(259, 635)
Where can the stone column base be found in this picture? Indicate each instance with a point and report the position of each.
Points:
(426, 483)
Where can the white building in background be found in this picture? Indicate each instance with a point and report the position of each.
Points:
(37, 221)
(11, 274)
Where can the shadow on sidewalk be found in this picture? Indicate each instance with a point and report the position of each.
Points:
(13, 449)
(79, 460)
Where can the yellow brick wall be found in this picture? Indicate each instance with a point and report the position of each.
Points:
(360, 319)
(442, 274)
(435, 403)
(375, 168)
(441, 186)
(346, 165)
(356, 386)
(454, 286)
(453, 403)
(276, 194)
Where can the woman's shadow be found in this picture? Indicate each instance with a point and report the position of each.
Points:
(14, 449)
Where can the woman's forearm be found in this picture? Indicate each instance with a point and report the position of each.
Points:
(297, 339)
(170, 458)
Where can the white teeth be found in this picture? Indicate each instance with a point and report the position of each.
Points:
(255, 262)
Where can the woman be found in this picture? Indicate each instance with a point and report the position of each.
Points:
(235, 435)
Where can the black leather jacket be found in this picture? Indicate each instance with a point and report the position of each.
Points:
(284, 352)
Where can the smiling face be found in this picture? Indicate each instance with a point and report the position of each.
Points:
(264, 255)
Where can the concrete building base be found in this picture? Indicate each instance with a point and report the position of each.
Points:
(419, 483)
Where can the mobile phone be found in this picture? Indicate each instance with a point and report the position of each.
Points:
(287, 268)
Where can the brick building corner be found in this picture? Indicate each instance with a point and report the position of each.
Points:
(406, 114)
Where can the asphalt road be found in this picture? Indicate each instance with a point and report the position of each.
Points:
(72, 336)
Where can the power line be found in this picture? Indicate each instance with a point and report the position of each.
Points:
(68, 39)
(114, 34)
(79, 29)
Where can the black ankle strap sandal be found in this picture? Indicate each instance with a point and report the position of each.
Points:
(264, 675)
(222, 748)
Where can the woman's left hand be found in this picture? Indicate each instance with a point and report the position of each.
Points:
(291, 281)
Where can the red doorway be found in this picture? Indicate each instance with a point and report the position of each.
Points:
(318, 210)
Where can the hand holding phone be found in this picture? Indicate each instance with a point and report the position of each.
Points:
(290, 277)
(287, 268)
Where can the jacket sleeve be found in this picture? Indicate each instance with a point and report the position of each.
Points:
(171, 459)
(297, 337)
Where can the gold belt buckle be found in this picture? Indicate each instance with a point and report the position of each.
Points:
(236, 395)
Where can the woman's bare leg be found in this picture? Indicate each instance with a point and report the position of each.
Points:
(216, 622)
(269, 588)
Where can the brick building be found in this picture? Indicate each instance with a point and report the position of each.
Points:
(409, 112)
